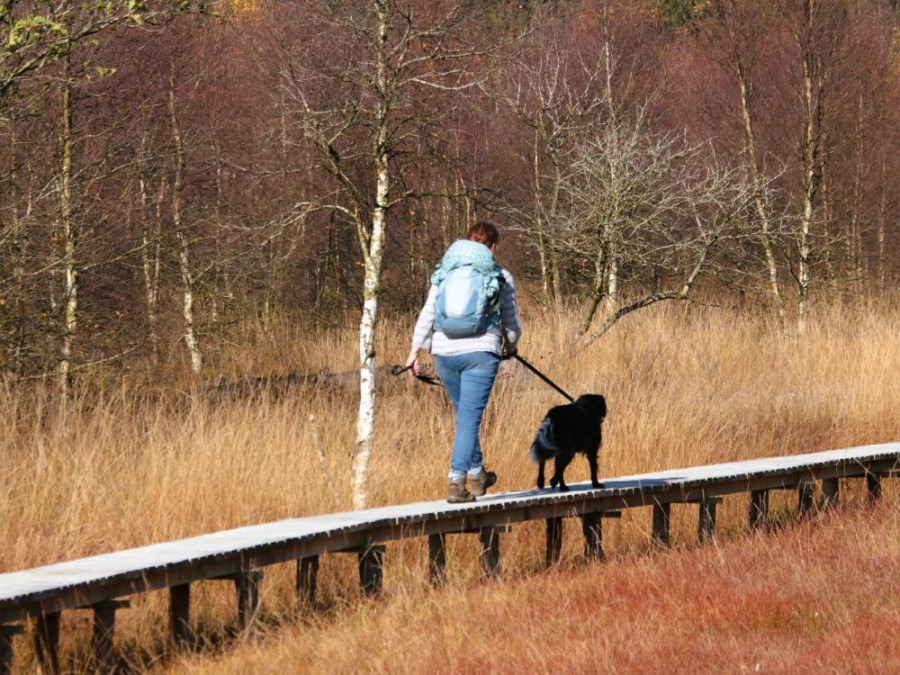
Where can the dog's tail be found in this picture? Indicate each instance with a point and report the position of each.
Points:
(544, 447)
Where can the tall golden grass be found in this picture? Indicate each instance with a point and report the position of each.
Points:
(133, 464)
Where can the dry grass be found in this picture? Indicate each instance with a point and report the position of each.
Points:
(129, 466)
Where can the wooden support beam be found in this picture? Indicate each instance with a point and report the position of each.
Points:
(554, 540)
(873, 485)
(706, 526)
(371, 569)
(6, 650)
(759, 508)
(661, 517)
(104, 629)
(831, 488)
(307, 579)
(246, 584)
(592, 528)
(490, 551)
(437, 559)
(46, 642)
(805, 493)
(180, 613)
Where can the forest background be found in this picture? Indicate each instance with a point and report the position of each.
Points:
(179, 178)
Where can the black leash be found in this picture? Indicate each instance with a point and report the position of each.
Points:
(542, 376)
(397, 370)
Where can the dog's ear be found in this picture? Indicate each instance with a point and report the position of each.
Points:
(601, 406)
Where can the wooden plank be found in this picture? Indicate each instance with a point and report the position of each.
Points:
(46, 642)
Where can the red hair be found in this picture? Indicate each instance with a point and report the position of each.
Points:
(483, 233)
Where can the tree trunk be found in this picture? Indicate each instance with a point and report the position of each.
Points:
(538, 217)
(184, 263)
(812, 168)
(70, 238)
(753, 164)
(150, 259)
(372, 244)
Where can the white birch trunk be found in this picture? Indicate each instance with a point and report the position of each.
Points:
(187, 281)
(538, 218)
(150, 259)
(882, 219)
(811, 160)
(372, 244)
(70, 241)
(761, 212)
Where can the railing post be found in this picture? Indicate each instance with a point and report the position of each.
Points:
(873, 485)
(46, 641)
(437, 559)
(371, 569)
(180, 613)
(831, 488)
(104, 629)
(6, 650)
(661, 517)
(592, 528)
(759, 508)
(246, 584)
(805, 493)
(554, 540)
(706, 525)
(307, 580)
(490, 551)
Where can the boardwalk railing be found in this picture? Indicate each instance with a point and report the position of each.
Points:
(101, 582)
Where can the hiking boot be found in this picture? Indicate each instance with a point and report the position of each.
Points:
(457, 493)
(482, 481)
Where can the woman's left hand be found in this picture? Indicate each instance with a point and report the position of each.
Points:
(413, 363)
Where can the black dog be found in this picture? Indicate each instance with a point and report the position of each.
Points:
(568, 429)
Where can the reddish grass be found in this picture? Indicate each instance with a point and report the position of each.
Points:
(818, 596)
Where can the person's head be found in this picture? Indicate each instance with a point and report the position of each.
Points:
(484, 233)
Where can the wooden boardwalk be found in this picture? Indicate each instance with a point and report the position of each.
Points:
(101, 582)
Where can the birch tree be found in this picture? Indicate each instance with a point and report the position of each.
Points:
(815, 26)
(743, 38)
(361, 110)
(184, 252)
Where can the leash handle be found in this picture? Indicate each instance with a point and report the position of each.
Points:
(398, 369)
(542, 376)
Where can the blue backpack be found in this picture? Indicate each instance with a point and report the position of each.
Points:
(467, 302)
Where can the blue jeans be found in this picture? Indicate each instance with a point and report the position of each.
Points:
(468, 379)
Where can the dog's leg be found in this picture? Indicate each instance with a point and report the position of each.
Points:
(560, 467)
(540, 476)
(592, 460)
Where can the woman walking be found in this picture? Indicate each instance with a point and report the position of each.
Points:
(468, 335)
